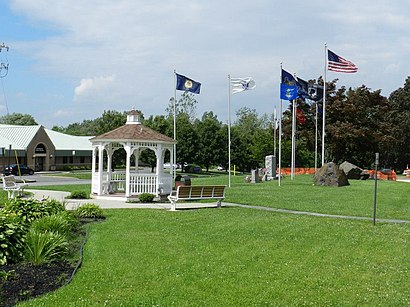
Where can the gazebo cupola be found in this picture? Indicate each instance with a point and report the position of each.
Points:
(133, 137)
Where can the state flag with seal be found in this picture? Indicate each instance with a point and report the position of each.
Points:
(187, 84)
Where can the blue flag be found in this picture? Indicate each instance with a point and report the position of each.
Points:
(288, 92)
(187, 84)
(288, 87)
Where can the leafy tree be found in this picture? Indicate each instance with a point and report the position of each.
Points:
(110, 120)
(210, 145)
(86, 128)
(160, 124)
(399, 120)
(18, 119)
(187, 138)
(356, 125)
(185, 105)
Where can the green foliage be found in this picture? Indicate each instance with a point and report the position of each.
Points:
(63, 223)
(12, 232)
(31, 209)
(6, 275)
(89, 211)
(146, 197)
(18, 119)
(41, 247)
(79, 195)
(15, 220)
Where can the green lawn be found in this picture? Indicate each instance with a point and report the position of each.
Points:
(393, 198)
(238, 257)
(244, 257)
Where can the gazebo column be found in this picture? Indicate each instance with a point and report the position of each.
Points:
(100, 168)
(137, 157)
(159, 169)
(94, 178)
(109, 161)
(128, 150)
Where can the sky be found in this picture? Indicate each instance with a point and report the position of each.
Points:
(70, 61)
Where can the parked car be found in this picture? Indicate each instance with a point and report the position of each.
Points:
(13, 169)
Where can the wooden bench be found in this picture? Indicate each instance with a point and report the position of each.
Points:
(12, 187)
(197, 193)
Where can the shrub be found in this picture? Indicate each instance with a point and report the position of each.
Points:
(42, 247)
(89, 211)
(146, 197)
(79, 195)
(31, 209)
(12, 232)
(62, 223)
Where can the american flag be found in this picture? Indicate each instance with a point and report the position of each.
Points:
(339, 64)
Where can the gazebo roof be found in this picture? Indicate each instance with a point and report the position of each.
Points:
(133, 130)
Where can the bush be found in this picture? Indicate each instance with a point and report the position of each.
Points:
(31, 209)
(79, 195)
(41, 247)
(12, 232)
(146, 197)
(63, 223)
(89, 211)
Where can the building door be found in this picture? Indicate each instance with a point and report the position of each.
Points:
(39, 164)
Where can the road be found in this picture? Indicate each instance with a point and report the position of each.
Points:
(45, 179)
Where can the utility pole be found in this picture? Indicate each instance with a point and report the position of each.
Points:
(4, 65)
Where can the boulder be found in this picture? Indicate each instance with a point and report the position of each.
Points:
(353, 172)
(330, 175)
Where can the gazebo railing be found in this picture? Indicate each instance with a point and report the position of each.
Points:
(139, 183)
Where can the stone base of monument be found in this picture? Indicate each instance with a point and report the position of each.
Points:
(330, 175)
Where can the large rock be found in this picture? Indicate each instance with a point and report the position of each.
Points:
(353, 172)
(330, 175)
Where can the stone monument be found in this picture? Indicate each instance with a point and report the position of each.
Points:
(255, 176)
(270, 166)
(330, 175)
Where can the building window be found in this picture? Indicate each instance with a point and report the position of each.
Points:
(82, 160)
(64, 160)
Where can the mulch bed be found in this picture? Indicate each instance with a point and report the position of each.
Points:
(26, 281)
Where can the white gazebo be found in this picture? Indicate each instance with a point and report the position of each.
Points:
(133, 137)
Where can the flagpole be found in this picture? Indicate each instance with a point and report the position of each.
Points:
(274, 134)
(175, 127)
(316, 139)
(292, 162)
(280, 132)
(229, 131)
(324, 109)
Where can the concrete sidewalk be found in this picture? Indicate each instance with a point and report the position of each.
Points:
(113, 203)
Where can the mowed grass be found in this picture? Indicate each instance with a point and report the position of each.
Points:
(238, 257)
(357, 199)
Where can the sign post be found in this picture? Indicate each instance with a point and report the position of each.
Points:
(376, 162)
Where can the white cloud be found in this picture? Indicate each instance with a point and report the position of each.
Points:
(129, 48)
(90, 88)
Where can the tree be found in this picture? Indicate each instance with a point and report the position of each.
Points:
(356, 125)
(86, 128)
(18, 119)
(110, 120)
(210, 144)
(399, 120)
(160, 124)
(185, 105)
(187, 138)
